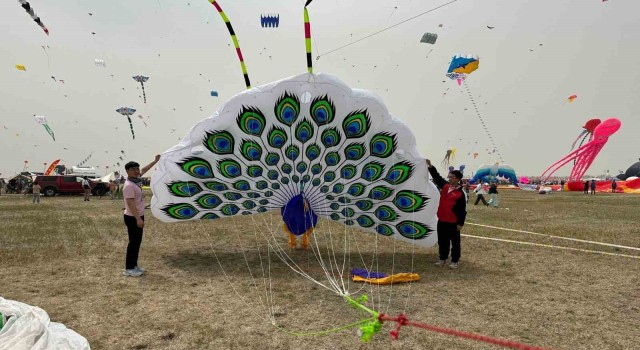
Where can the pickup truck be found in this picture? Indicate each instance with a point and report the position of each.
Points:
(68, 184)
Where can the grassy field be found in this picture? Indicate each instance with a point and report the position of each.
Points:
(216, 284)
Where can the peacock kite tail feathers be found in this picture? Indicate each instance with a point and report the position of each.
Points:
(308, 150)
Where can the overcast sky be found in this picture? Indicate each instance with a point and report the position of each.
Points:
(539, 53)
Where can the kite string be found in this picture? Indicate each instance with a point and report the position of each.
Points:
(402, 320)
(387, 28)
(486, 130)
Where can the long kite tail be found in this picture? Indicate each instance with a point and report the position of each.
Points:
(48, 129)
(484, 126)
(131, 127)
(144, 96)
(235, 42)
(307, 37)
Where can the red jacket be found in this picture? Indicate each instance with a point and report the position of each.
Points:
(453, 205)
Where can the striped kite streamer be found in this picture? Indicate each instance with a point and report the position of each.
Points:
(235, 42)
(29, 9)
(307, 37)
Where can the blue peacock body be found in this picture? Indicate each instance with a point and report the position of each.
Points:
(310, 147)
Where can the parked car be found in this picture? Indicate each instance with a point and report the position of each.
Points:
(68, 184)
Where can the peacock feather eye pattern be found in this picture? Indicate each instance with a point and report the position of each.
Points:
(242, 185)
(365, 221)
(329, 176)
(219, 142)
(332, 158)
(254, 171)
(286, 168)
(384, 230)
(316, 169)
(292, 152)
(209, 216)
(348, 172)
(330, 137)
(356, 189)
(322, 110)
(208, 201)
(229, 168)
(197, 167)
(409, 201)
(413, 229)
(232, 196)
(372, 171)
(364, 205)
(230, 209)
(277, 137)
(273, 175)
(383, 144)
(399, 173)
(304, 131)
(216, 186)
(262, 185)
(287, 109)
(180, 211)
(301, 167)
(355, 151)
(380, 193)
(356, 124)
(272, 159)
(385, 213)
(251, 121)
(251, 150)
(313, 152)
(184, 189)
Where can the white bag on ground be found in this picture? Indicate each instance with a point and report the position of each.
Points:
(29, 328)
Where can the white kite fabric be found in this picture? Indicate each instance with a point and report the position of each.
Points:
(311, 137)
(29, 327)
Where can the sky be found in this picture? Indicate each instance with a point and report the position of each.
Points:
(538, 54)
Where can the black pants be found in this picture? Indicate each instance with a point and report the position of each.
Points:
(479, 198)
(135, 240)
(448, 234)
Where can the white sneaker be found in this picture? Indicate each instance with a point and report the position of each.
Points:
(132, 273)
(138, 268)
(440, 262)
(453, 265)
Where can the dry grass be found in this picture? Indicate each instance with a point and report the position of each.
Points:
(205, 287)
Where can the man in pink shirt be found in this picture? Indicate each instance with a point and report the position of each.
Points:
(134, 214)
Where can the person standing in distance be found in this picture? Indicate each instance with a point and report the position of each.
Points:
(452, 211)
(134, 214)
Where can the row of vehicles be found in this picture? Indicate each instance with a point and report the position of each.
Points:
(69, 184)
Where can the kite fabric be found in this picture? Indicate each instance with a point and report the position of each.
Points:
(309, 144)
(391, 279)
(356, 271)
(461, 66)
(497, 171)
(27, 7)
(586, 154)
(52, 167)
(214, 93)
(128, 112)
(29, 327)
(270, 21)
(429, 38)
(21, 67)
(141, 79)
(43, 121)
(100, 63)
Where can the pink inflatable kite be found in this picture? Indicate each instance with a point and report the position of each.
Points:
(585, 155)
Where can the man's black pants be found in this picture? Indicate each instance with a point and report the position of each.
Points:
(135, 240)
(448, 236)
(479, 198)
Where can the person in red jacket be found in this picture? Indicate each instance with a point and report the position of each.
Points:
(452, 211)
